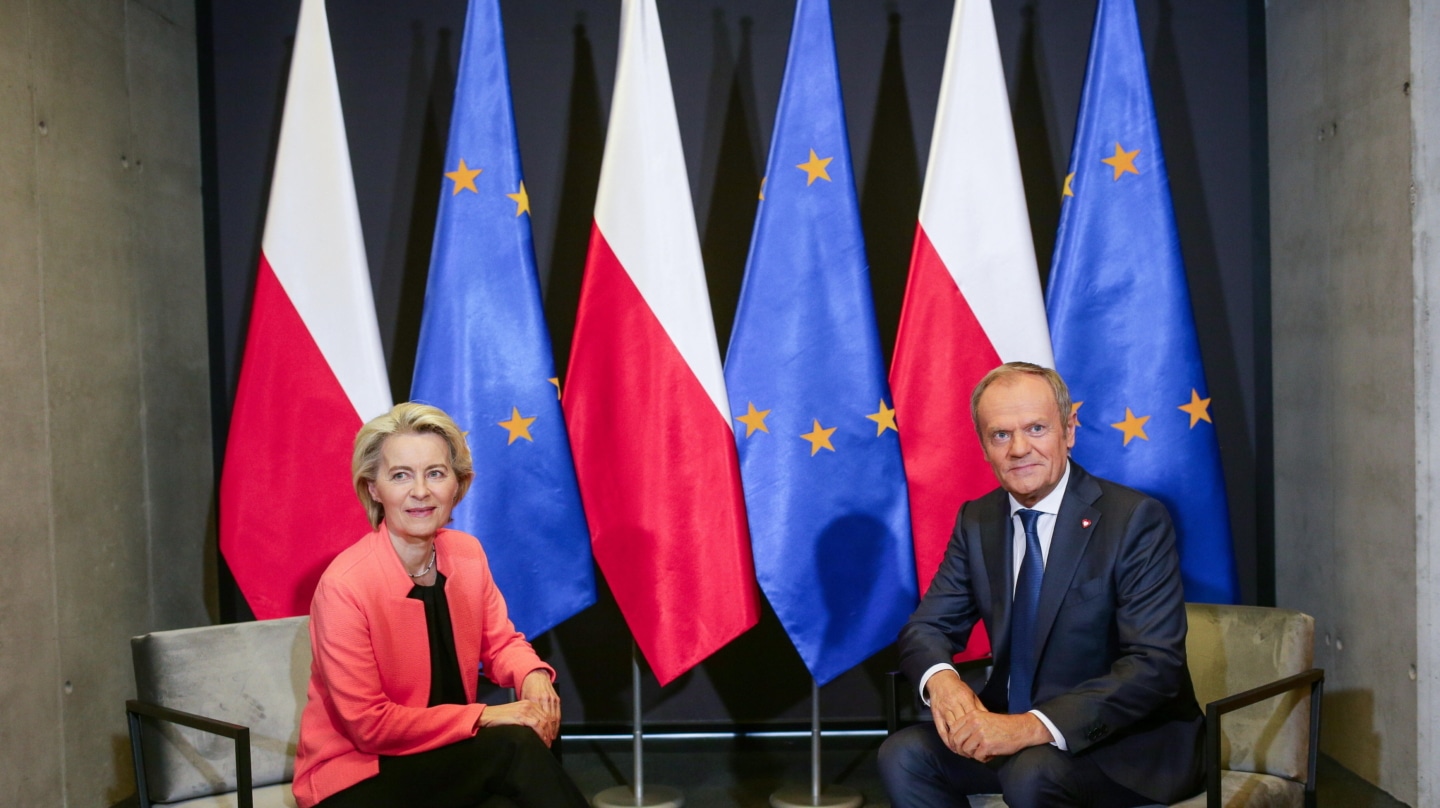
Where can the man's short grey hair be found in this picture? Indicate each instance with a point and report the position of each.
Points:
(1012, 369)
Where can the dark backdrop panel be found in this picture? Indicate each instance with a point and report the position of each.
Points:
(396, 64)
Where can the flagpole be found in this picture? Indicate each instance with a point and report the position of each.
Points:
(814, 742)
(831, 797)
(635, 795)
(639, 741)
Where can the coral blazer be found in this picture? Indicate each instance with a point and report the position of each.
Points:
(370, 674)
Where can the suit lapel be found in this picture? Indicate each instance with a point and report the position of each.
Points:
(1073, 527)
(995, 537)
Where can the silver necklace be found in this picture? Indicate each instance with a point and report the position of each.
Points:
(422, 573)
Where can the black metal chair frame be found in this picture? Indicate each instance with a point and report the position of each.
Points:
(1313, 678)
(134, 709)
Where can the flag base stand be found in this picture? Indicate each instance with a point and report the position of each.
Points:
(651, 797)
(816, 795)
(638, 795)
(803, 797)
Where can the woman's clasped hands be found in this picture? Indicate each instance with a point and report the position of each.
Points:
(538, 707)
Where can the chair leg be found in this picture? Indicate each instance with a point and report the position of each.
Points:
(137, 758)
(892, 701)
(1317, 693)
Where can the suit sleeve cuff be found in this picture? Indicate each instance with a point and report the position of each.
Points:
(1059, 741)
(933, 669)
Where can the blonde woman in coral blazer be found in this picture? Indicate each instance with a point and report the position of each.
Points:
(401, 624)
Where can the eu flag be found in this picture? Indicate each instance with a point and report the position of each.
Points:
(1120, 316)
(815, 424)
(484, 353)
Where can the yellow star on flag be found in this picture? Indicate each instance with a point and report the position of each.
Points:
(463, 177)
(518, 427)
(1198, 409)
(1122, 161)
(522, 200)
(1075, 412)
(555, 381)
(762, 188)
(815, 168)
(819, 438)
(753, 420)
(1132, 426)
(1069, 178)
(884, 419)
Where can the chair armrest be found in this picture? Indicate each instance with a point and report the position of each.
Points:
(241, 735)
(1313, 678)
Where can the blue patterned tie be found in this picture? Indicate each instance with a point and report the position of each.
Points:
(1022, 617)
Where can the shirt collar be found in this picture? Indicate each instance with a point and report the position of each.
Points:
(1051, 503)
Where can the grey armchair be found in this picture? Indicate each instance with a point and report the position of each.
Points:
(217, 713)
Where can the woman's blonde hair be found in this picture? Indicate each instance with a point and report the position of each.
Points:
(408, 418)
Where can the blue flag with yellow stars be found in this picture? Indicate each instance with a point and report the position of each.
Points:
(814, 421)
(1120, 316)
(484, 353)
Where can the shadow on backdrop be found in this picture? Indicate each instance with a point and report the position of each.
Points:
(735, 194)
(1032, 140)
(428, 104)
(596, 645)
(584, 148)
(890, 200)
(1350, 714)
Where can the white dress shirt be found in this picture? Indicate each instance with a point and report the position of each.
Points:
(1049, 509)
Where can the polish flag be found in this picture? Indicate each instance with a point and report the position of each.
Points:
(313, 370)
(973, 297)
(645, 398)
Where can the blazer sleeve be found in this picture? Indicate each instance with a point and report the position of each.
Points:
(1148, 675)
(350, 673)
(507, 656)
(941, 625)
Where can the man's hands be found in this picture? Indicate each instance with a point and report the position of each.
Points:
(969, 730)
(950, 701)
(538, 708)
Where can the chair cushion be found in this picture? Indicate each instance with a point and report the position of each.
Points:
(276, 796)
(1237, 790)
(1246, 790)
(996, 801)
(254, 674)
(1235, 648)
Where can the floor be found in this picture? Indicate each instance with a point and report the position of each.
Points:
(716, 772)
(728, 772)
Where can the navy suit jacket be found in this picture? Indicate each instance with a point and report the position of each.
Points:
(1110, 630)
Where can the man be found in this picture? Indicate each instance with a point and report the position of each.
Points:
(1089, 702)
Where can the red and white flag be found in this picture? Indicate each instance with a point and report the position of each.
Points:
(973, 297)
(645, 396)
(313, 370)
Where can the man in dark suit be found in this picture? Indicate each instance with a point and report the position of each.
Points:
(1089, 701)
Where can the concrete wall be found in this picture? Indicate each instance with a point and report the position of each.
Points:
(1344, 350)
(1425, 158)
(106, 483)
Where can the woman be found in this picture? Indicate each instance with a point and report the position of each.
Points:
(401, 623)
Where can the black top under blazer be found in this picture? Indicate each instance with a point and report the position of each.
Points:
(1110, 630)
